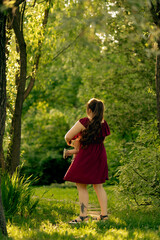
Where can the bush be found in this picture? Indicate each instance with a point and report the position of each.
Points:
(17, 195)
(43, 143)
(140, 170)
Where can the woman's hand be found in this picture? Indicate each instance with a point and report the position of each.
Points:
(68, 141)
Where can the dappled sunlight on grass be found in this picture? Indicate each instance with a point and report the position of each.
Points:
(17, 232)
(50, 221)
(81, 231)
(114, 234)
(46, 226)
(118, 221)
(148, 234)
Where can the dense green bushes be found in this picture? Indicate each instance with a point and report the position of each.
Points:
(140, 168)
(114, 63)
(43, 143)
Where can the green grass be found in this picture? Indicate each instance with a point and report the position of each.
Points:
(58, 205)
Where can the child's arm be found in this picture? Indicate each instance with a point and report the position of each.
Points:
(70, 152)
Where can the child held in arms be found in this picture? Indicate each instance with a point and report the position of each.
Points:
(75, 143)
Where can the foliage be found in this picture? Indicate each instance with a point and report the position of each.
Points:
(114, 63)
(90, 49)
(140, 170)
(113, 145)
(17, 195)
(43, 143)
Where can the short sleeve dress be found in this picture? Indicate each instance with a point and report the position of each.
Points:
(90, 164)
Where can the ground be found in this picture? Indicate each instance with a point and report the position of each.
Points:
(58, 204)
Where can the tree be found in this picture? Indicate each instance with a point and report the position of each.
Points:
(139, 170)
(14, 148)
(2, 100)
(108, 60)
(16, 19)
(146, 16)
(155, 11)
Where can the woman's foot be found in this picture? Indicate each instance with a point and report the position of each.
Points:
(79, 220)
(101, 217)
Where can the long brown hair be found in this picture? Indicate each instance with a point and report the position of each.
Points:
(90, 134)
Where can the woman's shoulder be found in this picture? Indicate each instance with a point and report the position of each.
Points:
(105, 128)
(84, 121)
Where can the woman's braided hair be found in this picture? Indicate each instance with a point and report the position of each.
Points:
(90, 134)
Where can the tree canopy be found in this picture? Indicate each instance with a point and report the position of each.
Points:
(76, 50)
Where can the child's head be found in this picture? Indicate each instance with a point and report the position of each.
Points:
(95, 108)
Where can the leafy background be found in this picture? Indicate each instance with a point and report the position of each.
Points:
(102, 49)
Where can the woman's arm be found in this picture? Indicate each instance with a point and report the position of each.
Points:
(77, 128)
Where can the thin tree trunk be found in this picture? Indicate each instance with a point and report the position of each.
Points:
(158, 86)
(2, 216)
(2, 83)
(13, 155)
(155, 12)
(2, 103)
(2, 160)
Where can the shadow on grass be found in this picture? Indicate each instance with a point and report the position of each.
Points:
(2, 237)
(128, 225)
(50, 222)
(51, 218)
(54, 212)
(133, 224)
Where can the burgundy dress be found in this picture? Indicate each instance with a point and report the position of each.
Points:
(90, 164)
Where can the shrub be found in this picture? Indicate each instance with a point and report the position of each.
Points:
(140, 170)
(17, 195)
(43, 143)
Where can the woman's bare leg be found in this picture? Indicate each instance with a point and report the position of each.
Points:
(102, 198)
(83, 198)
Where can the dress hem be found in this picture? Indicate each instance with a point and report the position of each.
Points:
(74, 181)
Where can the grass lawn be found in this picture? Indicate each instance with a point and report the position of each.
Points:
(58, 205)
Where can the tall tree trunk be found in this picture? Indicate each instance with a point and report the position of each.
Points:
(158, 85)
(155, 12)
(13, 155)
(2, 103)
(2, 216)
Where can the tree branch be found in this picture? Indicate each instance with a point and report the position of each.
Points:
(37, 57)
(70, 44)
(18, 2)
(22, 15)
(34, 3)
(29, 88)
(10, 108)
(140, 175)
(154, 13)
(158, 4)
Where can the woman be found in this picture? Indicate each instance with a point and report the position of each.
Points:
(90, 163)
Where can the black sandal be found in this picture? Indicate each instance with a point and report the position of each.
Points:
(103, 217)
(82, 219)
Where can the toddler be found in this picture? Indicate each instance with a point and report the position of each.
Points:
(74, 143)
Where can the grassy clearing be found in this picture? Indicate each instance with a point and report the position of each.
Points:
(58, 205)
